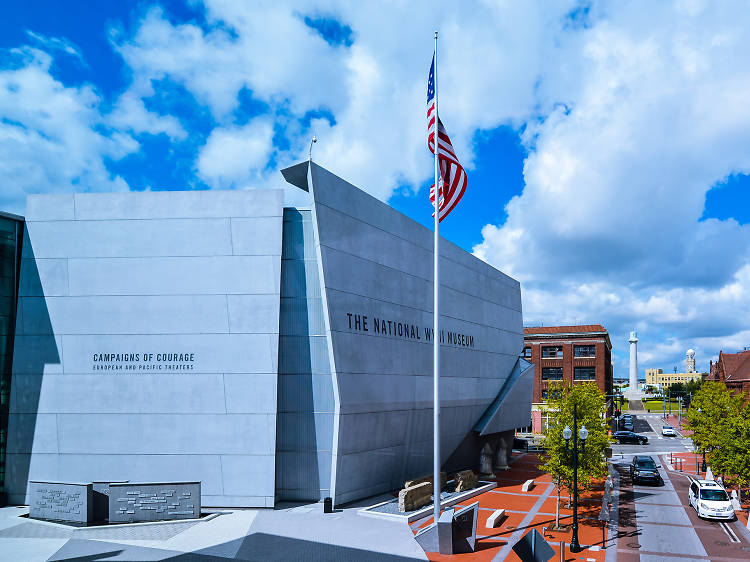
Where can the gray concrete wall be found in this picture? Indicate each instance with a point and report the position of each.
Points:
(192, 273)
(304, 428)
(377, 263)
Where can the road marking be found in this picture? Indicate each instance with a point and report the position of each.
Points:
(728, 530)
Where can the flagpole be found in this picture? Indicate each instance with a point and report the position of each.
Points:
(436, 320)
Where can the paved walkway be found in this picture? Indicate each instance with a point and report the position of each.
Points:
(531, 510)
(290, 533)
(647, 524)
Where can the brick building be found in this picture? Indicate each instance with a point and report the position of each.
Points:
(733, 369)
(568, 354)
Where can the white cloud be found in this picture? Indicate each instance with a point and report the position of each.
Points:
(616, 181)
(130, 114)
(630, 112)
(57, 44)
(232, 155)
(51, 136)
(376, 89)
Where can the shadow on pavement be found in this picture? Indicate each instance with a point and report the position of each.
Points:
(257, 547)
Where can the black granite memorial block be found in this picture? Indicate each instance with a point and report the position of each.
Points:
(533, 548)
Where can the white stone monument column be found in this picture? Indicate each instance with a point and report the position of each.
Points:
(633, 386)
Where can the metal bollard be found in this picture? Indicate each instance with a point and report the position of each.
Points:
(327, 505)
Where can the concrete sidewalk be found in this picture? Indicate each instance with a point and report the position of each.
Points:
(301, 532)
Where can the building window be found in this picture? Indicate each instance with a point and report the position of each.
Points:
(526, 352)
(550, 394)
(552, 352)
(584, 351)
(552, 373)
(584, 373)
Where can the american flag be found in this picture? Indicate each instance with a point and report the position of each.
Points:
(452, 175)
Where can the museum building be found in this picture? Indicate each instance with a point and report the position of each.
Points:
(273, 352)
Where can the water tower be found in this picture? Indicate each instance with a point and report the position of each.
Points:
(690, 361)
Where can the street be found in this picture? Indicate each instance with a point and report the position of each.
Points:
(650, 425)
(657, 522)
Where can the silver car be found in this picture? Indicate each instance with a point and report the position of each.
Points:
(668, 430)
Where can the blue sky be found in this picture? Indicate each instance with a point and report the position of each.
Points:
(606, 144)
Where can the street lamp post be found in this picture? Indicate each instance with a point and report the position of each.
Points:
(583, 434)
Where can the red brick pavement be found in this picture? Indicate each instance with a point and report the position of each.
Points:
(518, 504)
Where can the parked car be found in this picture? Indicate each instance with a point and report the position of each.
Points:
(630, 437)
(668, 430)
(710, 500)
(627, 425)
(644, 469)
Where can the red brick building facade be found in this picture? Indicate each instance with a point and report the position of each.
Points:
(733, 369)
(569, 354)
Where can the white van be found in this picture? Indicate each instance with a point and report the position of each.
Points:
(710, 500)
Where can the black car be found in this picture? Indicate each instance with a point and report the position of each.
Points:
(630, 437)
(644, 469)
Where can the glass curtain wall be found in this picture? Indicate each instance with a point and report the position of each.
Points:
(11, 234)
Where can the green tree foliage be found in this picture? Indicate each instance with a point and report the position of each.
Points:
(677, 389)
(721, 430)
(693, 386)
(591, 410)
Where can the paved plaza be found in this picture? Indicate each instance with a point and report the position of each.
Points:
(647, 523)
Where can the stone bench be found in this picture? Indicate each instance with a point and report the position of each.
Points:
(528, 485)
(493, 520)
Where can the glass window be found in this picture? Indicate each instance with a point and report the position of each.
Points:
(584, 373)
(527, 352)
(552, 373)
(552, 352)
(10, 237)
(584, 351)
(714, 495)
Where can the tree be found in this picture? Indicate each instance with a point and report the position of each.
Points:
(693, 386)
(677, 389)
(591, 410)
(720, 421)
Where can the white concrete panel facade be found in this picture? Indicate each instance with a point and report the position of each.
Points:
(377, 268)
(147, 342)
(271, 353)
